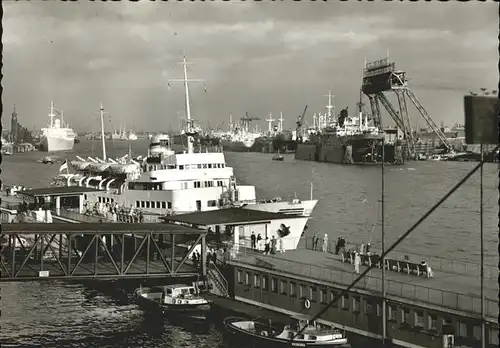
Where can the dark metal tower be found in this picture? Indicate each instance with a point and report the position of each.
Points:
(381, 76)
(14, 131)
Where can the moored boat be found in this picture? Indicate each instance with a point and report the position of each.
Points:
(178, 299)
(265, 334)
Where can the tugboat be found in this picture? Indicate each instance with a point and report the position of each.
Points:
(264, 334)
(178, 299)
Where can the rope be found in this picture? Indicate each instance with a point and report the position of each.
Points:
(394, 245)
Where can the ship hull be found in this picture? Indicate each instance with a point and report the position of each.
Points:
(53, 144)
(349, 150)
(273, 144)
(299, 213)
(236, 146)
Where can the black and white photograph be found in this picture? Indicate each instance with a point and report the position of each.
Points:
(236, 173)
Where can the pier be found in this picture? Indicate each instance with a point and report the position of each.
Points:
(419, 308)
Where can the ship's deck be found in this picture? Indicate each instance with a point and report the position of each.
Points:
(445, 290)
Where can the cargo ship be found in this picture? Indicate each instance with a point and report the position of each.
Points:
(349, 140)
(276, 139)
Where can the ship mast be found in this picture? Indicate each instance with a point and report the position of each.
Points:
(52, 114)
(270, 120)
(190, 132)
(281, 119)
(330, 106)
(102, 134)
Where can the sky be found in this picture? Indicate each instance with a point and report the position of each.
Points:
(256, 57)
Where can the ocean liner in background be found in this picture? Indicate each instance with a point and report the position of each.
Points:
(346, 139)
(57, 136)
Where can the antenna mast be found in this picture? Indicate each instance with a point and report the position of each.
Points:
(190, 132)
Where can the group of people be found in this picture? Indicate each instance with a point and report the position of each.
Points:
(324, 247)
(114, 212)
(268, 246)
(216, 256)
(362, 250)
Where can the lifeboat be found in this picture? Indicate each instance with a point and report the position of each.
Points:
(116, 168)
(79, 165)
(97, 167)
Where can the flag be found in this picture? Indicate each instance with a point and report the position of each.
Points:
(64, 166)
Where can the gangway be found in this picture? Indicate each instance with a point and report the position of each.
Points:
(37, 251)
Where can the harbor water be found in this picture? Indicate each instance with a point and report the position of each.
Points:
(56, 314)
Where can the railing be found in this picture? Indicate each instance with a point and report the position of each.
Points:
(437, 263)
(216, 275)
(10, 206)
(74, 215)
(442, 298)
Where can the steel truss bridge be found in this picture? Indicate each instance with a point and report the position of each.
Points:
(62, 251)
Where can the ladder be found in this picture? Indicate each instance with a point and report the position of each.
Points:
(217, 280)
(427, 118)
(390, 109)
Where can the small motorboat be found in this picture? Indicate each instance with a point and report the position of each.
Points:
(47, 160)
(421, 157)
(264, 334)
(178, 299)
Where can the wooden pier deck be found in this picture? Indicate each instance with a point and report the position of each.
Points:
(446, 290)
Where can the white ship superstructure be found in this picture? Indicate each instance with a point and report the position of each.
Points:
(57, 136)
(175, 183)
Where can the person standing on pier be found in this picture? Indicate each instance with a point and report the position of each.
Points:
(259, 242)
(368, 246)
(315, 240)
(282, 248)
(325, 243)
(273, 245)
(357, 263)
(266, 247)
(252, 238)
(195, 260)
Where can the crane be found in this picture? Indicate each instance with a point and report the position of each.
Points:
(300, 122)
(245, 121)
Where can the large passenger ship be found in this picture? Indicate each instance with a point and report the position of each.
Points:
(57, 136)
(198, 179)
